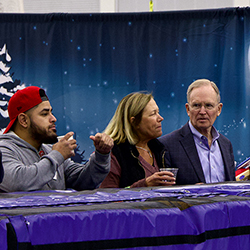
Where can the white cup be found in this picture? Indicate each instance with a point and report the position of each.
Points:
(61, 136)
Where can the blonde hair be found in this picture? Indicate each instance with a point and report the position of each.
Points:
(202, 82)
(120, 126)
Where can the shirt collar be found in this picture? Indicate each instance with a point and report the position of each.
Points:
(215, 133)
(10, 132)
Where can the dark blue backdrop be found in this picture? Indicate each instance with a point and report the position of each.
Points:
(88, 62)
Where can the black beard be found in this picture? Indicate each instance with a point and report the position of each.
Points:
(40, 135)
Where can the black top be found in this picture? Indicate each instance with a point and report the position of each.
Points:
(131, 168)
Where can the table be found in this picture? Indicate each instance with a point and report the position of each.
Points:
(180, 217)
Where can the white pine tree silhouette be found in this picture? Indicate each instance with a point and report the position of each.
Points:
(7, 86)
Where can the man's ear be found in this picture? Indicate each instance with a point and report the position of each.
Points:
(219, 109)
(23, 120)
(187, 108)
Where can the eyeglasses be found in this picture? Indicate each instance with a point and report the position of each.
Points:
(207, 106)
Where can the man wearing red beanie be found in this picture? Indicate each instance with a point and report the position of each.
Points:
(30, 164)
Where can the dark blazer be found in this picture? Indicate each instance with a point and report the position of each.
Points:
(181, 153)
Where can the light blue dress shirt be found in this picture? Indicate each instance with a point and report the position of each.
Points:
(210, 157)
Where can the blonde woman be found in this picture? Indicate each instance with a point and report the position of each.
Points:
(137, 155)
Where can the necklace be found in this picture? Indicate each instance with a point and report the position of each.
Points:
(145, 150)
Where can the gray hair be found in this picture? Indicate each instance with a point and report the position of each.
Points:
(202, 82)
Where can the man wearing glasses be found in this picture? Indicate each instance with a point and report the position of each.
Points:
(198, 150)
